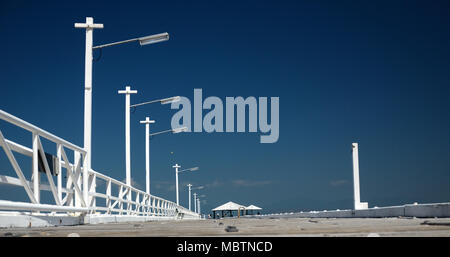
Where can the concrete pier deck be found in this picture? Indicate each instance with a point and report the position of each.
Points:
(359, 227)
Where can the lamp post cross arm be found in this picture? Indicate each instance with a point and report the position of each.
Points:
(127, 91)
(147, 121)
(89, 24)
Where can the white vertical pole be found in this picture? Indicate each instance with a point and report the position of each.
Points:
(92, 189)
(176, 181)
(355, 175)
(88, 95)
(357, 201)
(127, 140)
(147, 158)
(108, 193)
(198, 207)
(147, 122)
(85, 178)
(195, 202)
(59, 169)
(127, 93)
(176, 173)
(176, 178)
(36, 169)
(189, 185)
(89, 26)
(76, 159)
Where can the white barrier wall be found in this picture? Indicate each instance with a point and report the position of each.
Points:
(438, 210)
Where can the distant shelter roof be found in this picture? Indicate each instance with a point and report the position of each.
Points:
(230, 206)
(253, 207)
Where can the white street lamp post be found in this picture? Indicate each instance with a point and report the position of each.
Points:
(89, 26)
(177, 166)
(176, 180)
(198, 203)
(128, 106)
(195, 188)
(189, 186)
(195, 202)
(127, 93)
(147, 122)
(147, 146)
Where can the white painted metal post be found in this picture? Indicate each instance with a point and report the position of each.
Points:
(198, 207)
(35, 169)
(89, 26)
(59, 169)
(127, 93)
(76, 160)
(147, 122)
(88, 99)
(176, 180)
(356, 194)
(195, 202)
(92, 189)
(147, 156)
(189, 186)
(108, 194)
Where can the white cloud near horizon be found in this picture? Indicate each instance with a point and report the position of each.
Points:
(170, 185)
(339, 182)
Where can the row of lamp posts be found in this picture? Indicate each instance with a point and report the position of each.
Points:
(196, 198)
(89, 26)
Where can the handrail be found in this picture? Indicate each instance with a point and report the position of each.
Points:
(140, 204)
(30, 127)
(120, 183)
(171, 205)
(10, 205)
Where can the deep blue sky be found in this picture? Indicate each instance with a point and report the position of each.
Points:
(372, 72)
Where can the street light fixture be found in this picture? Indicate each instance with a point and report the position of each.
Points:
(190, 189)
(127, 93)
(195, 202)
(198, 203)
(174, 131)
(154, 39)
(176, 166)
(90, 26)
(162, 101)
(189, 186)
(190, 169)
(147, 123)
(179, 130)
(171, 100)
(142, 40)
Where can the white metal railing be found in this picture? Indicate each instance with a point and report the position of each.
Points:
(133, 201)
(79, 192)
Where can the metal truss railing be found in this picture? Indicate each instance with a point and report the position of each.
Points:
(78, 193)
(130, 200)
